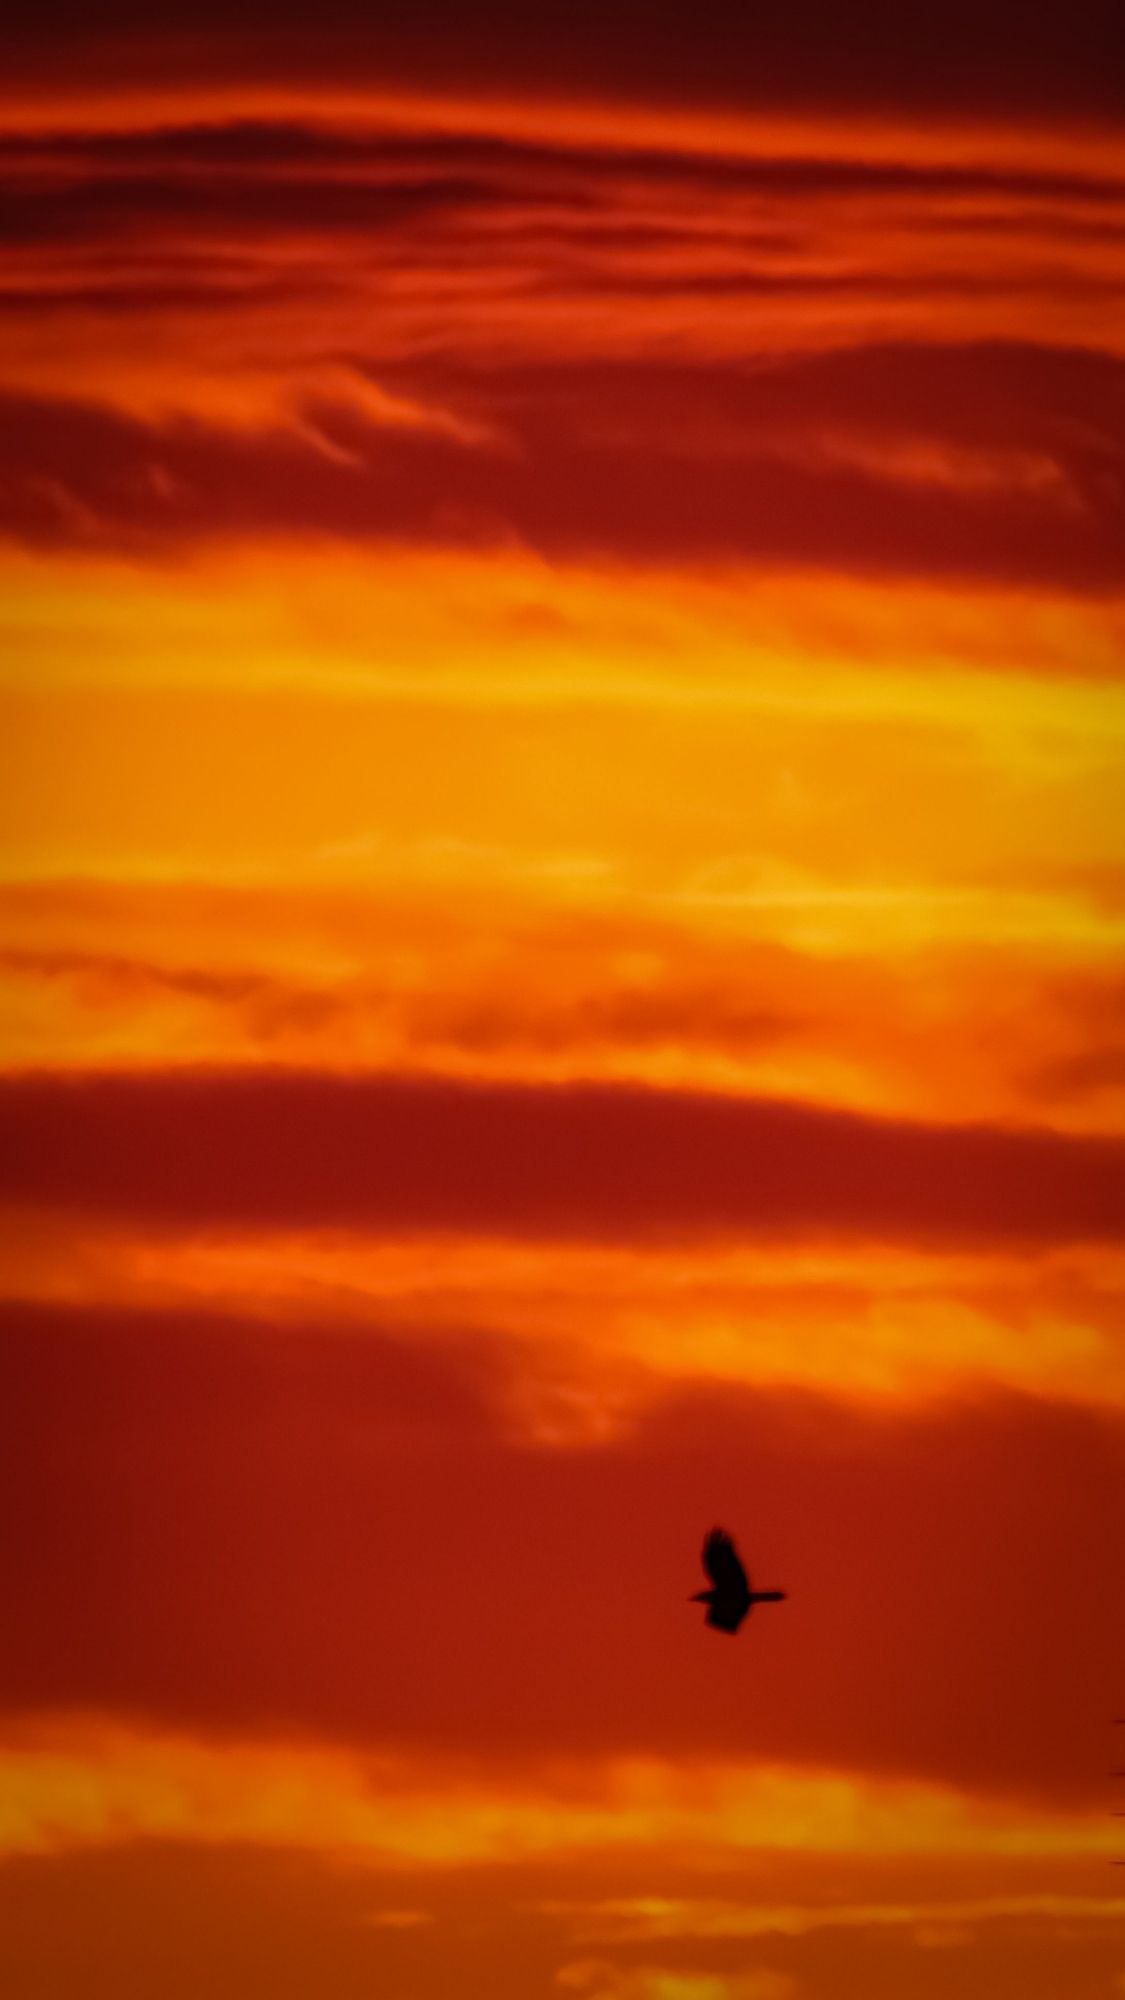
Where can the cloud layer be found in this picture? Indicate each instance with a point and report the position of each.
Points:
(563, 600)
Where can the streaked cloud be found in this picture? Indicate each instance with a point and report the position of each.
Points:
(950, 1919)
(602, 1981)
(593, 1332)
(86, 1784)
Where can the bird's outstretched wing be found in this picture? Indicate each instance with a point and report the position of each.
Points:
(722, 1564)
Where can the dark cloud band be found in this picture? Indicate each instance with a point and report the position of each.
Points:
(600, 1162)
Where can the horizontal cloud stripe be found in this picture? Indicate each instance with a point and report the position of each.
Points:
(86, 476)
(578, 1161)
(270, 170)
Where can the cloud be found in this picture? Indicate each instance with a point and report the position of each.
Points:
(114, 207)
(594, 1162)
(359, 1568)
(882, 360)
(99, 1782)
(599, 1980)
(252, 239)
(933, 1924)
(591, 1333)
(337, 1529)
(562, 993)
(289, 1921)
(598, 465)
(75, 182)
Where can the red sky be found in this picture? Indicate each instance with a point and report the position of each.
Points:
(562, 604)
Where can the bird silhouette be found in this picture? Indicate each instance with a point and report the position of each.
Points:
(732, 1598)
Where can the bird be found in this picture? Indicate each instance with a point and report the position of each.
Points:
(732, 1597)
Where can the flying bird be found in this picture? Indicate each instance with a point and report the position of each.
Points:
(732, 1597)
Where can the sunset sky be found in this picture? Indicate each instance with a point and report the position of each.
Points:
(562, 616)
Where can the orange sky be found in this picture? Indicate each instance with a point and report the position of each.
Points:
(562, 613)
